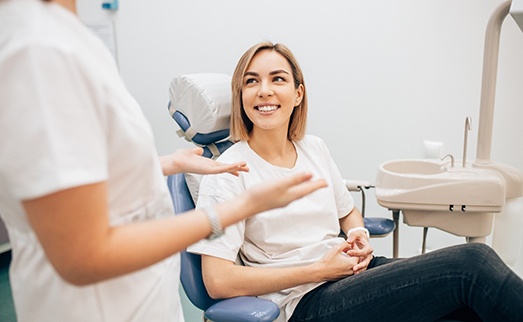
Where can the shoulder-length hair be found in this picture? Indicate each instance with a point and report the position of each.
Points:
(241, 126)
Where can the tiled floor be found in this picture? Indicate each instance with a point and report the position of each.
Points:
(7, 312)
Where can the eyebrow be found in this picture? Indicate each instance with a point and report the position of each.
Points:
(274, 72)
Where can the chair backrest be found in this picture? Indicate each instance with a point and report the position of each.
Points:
(201, 106)
(191, 267)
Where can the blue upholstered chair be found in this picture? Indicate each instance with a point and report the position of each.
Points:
(244, 308)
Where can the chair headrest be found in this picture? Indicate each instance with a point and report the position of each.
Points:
(201, 106)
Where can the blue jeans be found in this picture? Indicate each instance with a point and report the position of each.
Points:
(468, 280)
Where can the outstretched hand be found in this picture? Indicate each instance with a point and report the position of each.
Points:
(190, 160)
(281, 192)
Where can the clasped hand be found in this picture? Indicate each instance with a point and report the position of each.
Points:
(347, 258)
(360, 248)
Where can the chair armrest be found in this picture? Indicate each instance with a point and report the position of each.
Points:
(243, 309)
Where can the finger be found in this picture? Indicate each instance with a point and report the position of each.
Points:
(298, 178)
(242, 166)
(366, 250)
(236, 168)
(307, 187)
(361, 266)
(343, 247)
(358, 252)
(198, 151)
(301, 181)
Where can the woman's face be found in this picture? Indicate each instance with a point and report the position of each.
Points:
(268, 93)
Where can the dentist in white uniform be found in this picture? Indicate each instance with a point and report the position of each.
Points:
(82, 190)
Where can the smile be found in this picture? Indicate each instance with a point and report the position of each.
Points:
(267, 108)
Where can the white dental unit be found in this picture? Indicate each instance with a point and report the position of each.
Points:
(467, 198)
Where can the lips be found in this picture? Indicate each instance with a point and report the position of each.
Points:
(267, 108)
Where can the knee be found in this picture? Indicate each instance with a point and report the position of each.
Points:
(476, 255)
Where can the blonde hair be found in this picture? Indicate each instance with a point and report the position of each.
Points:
(241, 126)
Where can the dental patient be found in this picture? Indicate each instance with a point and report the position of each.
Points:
(293, 255)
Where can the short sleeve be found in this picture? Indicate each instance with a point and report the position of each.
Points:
(344, 200)
(51, 124)
(215, 189)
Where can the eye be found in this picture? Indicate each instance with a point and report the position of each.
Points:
(278, 79)
(250, 81)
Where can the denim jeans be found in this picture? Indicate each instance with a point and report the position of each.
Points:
(468, 279)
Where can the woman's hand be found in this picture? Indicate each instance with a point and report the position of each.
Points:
(190, 160)
(337, 264)
(361, 248)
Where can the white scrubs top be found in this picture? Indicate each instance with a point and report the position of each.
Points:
(66, 120)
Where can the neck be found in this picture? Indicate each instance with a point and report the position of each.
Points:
(275, 149)
(67, 4)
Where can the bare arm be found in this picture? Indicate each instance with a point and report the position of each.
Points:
(224, 279)
(353, 219)
(72, 226)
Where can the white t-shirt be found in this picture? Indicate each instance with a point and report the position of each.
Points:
(67, 120)
(296, 235)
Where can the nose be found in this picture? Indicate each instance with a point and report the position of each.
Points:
(265, 89)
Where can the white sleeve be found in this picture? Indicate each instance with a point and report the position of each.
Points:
(53, 135)
(344, 200)
(216, 189)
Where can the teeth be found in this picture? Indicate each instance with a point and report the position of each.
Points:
(267, 108)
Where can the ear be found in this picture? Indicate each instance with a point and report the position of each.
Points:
(299, 95)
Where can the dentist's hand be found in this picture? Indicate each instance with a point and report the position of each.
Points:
(266, 196)
(190, 160)
(360, 248)
(281, 192)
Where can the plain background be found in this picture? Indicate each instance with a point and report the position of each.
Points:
(382, 75)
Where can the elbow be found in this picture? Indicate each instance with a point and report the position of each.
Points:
(221, 278)
(219, 287)
(75, 278)
(78, 278)
(78, 273)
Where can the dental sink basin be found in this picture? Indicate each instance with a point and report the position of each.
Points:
(433, 194)
(430, 185)
(413, 167)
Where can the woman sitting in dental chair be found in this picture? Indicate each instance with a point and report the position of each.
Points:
(294, 257)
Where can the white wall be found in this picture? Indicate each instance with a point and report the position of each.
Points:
(382, 75)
